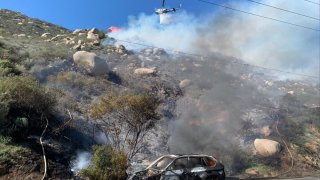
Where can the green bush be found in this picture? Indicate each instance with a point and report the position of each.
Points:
(7, 68)
(8, 149)
(24, 97)
(106, 164)
(5, 140)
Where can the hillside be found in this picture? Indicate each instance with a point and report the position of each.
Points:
(14, 23)
(143, 103)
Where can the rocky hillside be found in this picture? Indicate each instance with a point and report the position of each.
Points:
(258, 125)
(17, 24)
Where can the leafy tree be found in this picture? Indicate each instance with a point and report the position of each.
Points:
(127, 119)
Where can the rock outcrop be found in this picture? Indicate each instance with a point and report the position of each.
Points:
(95, 34)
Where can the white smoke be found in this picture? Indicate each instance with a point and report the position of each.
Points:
(101, 138)
(147, 29)
(82, 161)
(256, 40)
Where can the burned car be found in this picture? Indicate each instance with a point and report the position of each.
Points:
(182, 167)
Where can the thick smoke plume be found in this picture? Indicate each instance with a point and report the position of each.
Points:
(212, 111)
(256, 40)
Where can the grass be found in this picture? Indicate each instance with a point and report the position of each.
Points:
(7, 148)
(262, 168)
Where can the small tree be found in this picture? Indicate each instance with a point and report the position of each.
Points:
(127, 119)
(106, 164)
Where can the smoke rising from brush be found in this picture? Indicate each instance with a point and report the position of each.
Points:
(256, 40)
(82, 161)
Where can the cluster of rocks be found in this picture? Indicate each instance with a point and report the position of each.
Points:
(119, 49)
(95, 65)
(79, 38)
(151, 54)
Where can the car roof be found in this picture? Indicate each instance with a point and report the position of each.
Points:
(185, 155)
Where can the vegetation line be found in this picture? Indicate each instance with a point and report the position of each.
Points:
(43, 151)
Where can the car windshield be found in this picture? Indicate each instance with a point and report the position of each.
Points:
(162, 163)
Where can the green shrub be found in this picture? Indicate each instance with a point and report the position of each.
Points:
(6, 64)
(106, 164)
(8, 149)
(24, 97)
(5, 140)
(8, 68)
(22, 122)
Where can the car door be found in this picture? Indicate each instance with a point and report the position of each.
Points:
(197, 168)
(177, 170)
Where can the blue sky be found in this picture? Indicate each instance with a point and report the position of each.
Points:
(74, 14)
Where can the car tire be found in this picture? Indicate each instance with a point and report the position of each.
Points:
(222, 176)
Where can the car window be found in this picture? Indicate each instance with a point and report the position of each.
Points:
(180, 163)
(162, 163)
(196, 162)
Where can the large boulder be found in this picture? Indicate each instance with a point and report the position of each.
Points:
(90, 62)
(95, 34)
(184, 83)
(267, 147)
(159, 51)
(92, 36)
(121, 49)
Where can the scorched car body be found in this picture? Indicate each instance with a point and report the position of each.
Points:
(182, 167)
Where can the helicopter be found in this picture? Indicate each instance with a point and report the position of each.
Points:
(164, 10)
